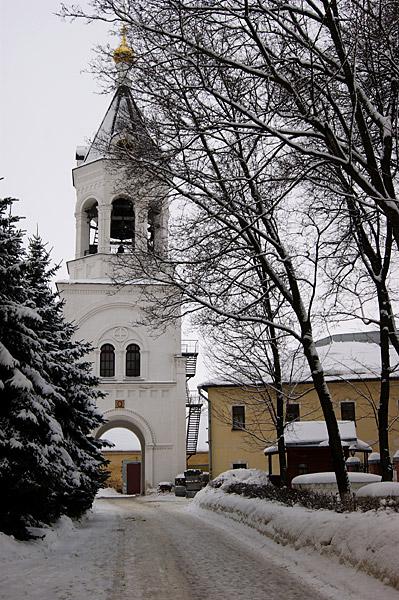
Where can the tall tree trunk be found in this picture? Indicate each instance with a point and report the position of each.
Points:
(383, 408)
(278, 383)
(326, 404)
(280, 436)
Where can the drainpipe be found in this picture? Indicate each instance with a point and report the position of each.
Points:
(206, 398)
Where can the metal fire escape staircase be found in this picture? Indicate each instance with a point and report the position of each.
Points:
(194, 406)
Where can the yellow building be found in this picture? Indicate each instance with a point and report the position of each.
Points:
(240, 421)
(199, 460)
(118, 459)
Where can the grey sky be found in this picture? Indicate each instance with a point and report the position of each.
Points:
(48, 106)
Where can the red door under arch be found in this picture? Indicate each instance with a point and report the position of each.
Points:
(133, 477)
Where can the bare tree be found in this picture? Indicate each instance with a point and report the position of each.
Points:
(325, 70)
(359, 270)
(238, 243)
(250, 356)
(236, 91)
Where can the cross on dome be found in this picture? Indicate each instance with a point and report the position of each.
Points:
(123, 53)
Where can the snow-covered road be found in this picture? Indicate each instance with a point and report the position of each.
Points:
(157, 548)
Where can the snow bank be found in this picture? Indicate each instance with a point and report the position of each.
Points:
(47, 537)
(379, 490)
(327, 482)
(330, 477)
(250, 476)
(107, 492)
(367, 541)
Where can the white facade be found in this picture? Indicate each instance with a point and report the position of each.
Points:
(151, 403)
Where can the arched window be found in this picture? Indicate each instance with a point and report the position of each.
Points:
(133, 361)
(107, 361)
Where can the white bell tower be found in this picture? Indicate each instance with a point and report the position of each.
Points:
(141, 369)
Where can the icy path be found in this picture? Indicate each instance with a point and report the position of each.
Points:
(157, 549)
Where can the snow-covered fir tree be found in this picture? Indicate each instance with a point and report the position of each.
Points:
(31, 472)
(75, 407)
(49, 465)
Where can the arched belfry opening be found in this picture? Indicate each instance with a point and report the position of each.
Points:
(90, 228)
(127, 456)
(122, 232)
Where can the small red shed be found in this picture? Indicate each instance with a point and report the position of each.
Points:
(307, 447)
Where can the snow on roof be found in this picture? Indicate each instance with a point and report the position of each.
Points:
(361, 446)
(344, 356)
(327, 443)
(351, 460)
(81, 152)
(311, 433)
(314, 433)
(374, 457)
(352, 354)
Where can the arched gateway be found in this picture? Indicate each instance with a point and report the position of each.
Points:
(141, 370)
(137, 425)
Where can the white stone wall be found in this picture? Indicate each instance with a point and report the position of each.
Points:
(153, 402)
(97, 182)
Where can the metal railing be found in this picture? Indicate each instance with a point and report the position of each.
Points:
(194, 398)
(189, 346)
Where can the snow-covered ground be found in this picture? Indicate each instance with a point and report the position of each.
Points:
(366, 541)
(73, 561)
(109, 492)
(162, 547)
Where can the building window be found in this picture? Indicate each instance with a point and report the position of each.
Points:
(292, 412)
(133, 361)
(238, 414)
(239, 465)
(107, 361)
(348, 411)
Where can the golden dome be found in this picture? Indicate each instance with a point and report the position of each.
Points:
(123, 53)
